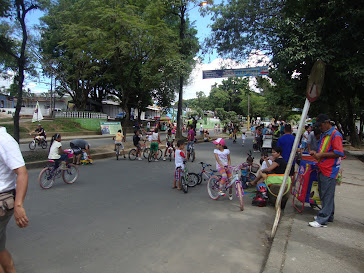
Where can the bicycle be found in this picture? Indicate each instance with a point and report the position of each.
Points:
(204, 175)
(151, 155)
(214, 182)
(192, 152)
(117, 152)
(187, 179)
(170, 152)
(41, 142)
(49, 174)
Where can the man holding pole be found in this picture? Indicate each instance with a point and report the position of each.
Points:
(328, 156)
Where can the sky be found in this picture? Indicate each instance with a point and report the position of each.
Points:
(195, 84)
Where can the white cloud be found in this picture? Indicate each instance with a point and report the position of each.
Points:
(196, 83)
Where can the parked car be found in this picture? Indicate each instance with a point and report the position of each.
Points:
(120, 115)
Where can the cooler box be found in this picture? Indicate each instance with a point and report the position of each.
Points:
(305, 187)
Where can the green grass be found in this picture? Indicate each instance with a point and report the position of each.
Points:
(90, 123)
(10, 129)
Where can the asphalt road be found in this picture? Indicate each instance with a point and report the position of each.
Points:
(124, 216)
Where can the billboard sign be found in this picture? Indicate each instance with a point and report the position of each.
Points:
(240, 72)
(110, 128)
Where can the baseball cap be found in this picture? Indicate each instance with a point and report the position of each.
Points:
(219, 141)
(321, 118)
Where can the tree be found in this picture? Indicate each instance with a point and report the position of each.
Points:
(119, 48)
(296, 34)
(188, 48)
(13, 52)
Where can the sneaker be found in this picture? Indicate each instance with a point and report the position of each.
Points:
(139, 158)
(156, 160)
(221, 193)
(316, 224)
(331, 221)
(230, 196)
(164, 159)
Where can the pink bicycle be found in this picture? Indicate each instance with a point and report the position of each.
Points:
(214, 182)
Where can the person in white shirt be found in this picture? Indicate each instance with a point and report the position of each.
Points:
(179, 159)
(56, 153)
(243, 137)
(222, 156)
(201, 129)
(13, 174)
(265, 163)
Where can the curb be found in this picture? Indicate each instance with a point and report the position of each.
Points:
(277, 253)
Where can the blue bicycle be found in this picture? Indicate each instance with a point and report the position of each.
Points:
(204, 175)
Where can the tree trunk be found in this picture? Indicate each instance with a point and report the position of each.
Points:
(179, 110)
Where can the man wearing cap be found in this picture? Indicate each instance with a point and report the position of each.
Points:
(328, 156)
(13, 188)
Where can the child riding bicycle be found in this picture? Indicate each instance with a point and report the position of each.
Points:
(222, 156)
(119, 139)
(169, 142)
(57, 154)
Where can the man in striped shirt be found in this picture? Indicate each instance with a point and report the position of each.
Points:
(328, 156)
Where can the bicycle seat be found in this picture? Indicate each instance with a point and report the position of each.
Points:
(51, 160)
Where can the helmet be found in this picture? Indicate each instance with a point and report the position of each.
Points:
(259, 201)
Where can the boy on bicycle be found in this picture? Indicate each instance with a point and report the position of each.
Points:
(136, 139)
(169, 142)
(191, 139)
(119, 139)
(179, 162)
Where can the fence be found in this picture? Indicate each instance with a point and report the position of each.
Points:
(68, 114)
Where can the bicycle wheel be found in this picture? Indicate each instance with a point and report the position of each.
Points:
(133, 154)
(146, 153)
(193, 155)
(44, 144)
(46, 178)
(239, 191)
(71, 174)
(192, 179)
(32, 145)
(184, 184)
(199, 178)
(150, 156)
(213, 187)
(117, 152)
(170, 154)
(160, 154)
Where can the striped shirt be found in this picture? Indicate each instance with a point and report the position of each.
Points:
(330, 141)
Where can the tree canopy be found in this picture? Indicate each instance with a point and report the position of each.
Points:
(295, 34)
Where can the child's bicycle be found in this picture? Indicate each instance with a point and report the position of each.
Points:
(170, 152)
(214, 182)
(187, 179)
(117, 152)
(49, 174)
(40, 141)
(204, 175)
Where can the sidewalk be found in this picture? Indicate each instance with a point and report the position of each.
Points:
(337, 248)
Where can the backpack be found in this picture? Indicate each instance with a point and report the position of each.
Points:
(260, 199)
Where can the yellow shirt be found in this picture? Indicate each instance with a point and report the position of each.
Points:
(119, 136)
